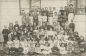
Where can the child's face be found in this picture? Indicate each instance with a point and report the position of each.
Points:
(82, 38)
(71, 6)
(16, 28)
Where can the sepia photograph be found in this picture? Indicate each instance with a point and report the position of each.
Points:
(42, 27)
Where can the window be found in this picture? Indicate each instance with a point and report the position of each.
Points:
(81, 7)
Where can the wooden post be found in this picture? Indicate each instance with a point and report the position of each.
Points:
(20, 6)
(30, 4)
(40, 4)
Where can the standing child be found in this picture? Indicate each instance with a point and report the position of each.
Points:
(71, 13)
(40, 17)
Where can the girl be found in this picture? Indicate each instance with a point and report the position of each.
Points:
(63, 51)
(76, 49)
(37, 48)
(41, 33)
(50, 20)
(16, 42)
(51, 34)
(9, 43)
(44, 18)
(69, 46)
(51, 42)
(55, 17)
(46, 49)
(25, 47)
(40, 19)
(32, 45)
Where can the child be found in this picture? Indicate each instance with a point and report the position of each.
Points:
(50, 20)
(55, 17)
(51, 34)
(44, 18)
(51, 42)
(32, 46)
(9, 43)
(16, 42)
(82, 44)
(37, 48)
(76, 49)
(16, 45)
(31, 19)
(41, 33)
(71, 13)
(42, 42)
(69, 46)
(55, 50)
(46, 49)
(29, 44)
(63, 51)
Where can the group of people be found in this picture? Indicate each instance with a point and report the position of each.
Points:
(45, 32)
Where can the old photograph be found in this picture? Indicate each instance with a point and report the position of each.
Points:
(42, 27)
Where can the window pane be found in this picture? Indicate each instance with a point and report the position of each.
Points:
(81, 4)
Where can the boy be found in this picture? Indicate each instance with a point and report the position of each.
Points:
(5, 33)
(70, 13)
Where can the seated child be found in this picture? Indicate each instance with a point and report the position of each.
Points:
(76, 49)
(42, 42)
(37, 48)
(16, 42)
(32, 46)
(46, 48)
(69, 45)
(63, 51)
(55, 50)
(9, 43)
(82, 44)
(25, 47)
(9, 47)
(51, 42)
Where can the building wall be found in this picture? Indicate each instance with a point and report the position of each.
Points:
(9, 12)
(80, 22)
(55, 3)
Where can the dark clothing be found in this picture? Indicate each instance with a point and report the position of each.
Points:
(55, 51)
(72, 26)
(16, 25)
(5, 33)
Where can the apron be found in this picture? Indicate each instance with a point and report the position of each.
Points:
(70, 17)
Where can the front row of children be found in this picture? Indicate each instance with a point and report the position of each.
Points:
(57, 46)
